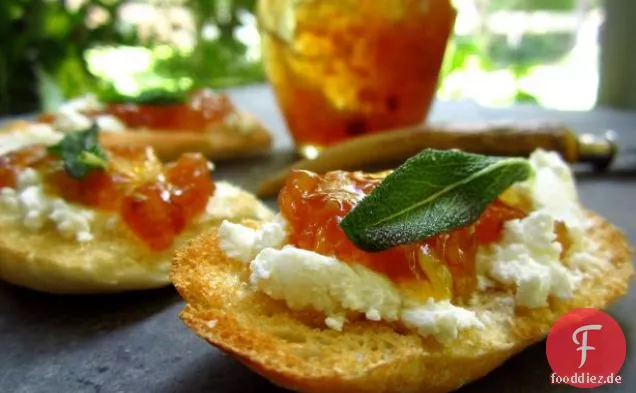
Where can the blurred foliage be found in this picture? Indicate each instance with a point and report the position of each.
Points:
(44, 43)
(218, 62)
(44, 47)
(531, 5)
(491, 52)
(531, 49)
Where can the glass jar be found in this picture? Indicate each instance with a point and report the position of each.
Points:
(343, 68)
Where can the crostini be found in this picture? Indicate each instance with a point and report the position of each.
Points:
(78, 217)
(421, 279)
(202, 120)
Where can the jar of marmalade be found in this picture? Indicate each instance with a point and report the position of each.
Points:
(343, 68)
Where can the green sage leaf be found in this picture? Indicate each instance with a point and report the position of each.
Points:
(433, 192)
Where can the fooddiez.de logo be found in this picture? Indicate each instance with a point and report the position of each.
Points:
(586, 348)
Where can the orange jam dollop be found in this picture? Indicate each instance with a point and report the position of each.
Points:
(202, 108)
(314, 205)
(155, 201)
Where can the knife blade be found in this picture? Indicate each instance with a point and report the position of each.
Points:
(498, 139)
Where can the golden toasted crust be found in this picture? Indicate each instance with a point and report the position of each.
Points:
(220, 141)
(114, 261)
(294, 350)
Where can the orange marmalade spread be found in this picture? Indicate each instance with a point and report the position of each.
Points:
(156, 202)
(314, 205)
(202, 108)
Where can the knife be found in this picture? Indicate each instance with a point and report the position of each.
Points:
(498, 139)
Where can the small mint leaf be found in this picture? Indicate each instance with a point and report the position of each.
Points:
(433, 192)
(80, 152)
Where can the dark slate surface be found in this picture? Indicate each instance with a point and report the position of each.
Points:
(136, 343)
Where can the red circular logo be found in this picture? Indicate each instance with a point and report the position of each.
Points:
(586, 348)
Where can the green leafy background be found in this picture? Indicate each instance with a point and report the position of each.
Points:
(51, 51)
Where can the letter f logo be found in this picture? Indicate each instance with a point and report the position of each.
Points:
(584, 347)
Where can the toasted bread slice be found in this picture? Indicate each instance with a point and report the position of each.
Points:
(114, 260)
(220, 141)
(223, 140)
(295, 351)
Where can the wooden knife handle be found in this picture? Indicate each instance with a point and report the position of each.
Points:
(499, 139)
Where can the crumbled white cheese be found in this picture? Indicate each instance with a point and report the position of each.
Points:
(70, 116)
(305, 279)
(440, 319)
(271, 234)
(69, 120)
(109, 123)
(29, 205)
(528, 257)
(552, 189)
(243, 124)
(226, 203)
(237, 241)
(243, 243)
(71, 221)
(588, 259)
(31, 134)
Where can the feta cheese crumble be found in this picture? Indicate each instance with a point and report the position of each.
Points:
(29, 205)
(226, 203)
(552, 190)
(528, 257)
(243, 243)
(242, 124)
(69, 116)
(440, 319)
(305, 279)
